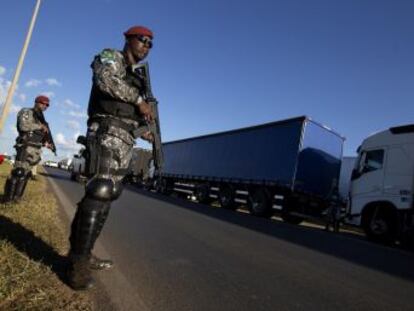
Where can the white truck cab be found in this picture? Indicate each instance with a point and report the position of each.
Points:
(382, 184)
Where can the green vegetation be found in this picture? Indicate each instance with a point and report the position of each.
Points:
(33, 245)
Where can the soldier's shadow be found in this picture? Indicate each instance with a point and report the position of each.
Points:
(34, 247)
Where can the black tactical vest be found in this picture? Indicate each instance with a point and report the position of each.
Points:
(34, 137)
(100, 103)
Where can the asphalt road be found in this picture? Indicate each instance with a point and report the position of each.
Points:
(171, 254)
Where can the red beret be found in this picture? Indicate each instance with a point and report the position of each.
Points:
(42, 99)
(138, 30)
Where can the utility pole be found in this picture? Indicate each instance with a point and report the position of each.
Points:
(7, 103)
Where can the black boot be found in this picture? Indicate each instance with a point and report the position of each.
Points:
(82, 239)
(14, 185)
(79, 274)
(21, 187)
(97, 263)
(9, 189)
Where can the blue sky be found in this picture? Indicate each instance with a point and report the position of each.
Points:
(222, 64)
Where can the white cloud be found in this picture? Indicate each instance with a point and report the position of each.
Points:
(78, 114)
(73, 124)
(4, 88)
(60, 139)
(67, 144)
(53, 82)
(2, 70)
(33, 83)
(22, 97)
(70, 104)
(15, 108)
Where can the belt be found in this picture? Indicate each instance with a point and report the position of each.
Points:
(136, 132)
(118, 172)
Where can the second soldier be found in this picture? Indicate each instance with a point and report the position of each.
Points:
(34, 133)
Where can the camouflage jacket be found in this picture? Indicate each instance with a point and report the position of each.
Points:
(26, 122)
(109, 75)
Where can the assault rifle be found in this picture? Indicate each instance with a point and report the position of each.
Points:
(141, 73)
(47, 138)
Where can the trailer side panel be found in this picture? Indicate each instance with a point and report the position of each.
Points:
(262, 154)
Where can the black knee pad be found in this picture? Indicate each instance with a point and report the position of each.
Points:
(117, 190)
(19, 172)
(100, 189)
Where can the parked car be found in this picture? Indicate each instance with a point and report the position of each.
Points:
(77, 167)
(65, 163)
(51, 164)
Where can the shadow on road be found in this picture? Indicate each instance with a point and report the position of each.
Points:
(392, 261)
(35, 248)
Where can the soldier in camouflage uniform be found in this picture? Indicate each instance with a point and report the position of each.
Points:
(32, 129)
(115, 111)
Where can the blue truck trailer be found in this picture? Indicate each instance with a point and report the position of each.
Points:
(290, 166)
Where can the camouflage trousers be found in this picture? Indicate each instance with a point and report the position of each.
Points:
(109, 152)
(27, 156)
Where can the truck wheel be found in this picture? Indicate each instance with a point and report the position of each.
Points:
(291, 219)
(290, 205)
(147, 185)
(260, 203)
(379, 224)
(202, 193)
(226, 197)
(162, 186)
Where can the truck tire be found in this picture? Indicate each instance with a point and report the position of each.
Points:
(202, 193)
(291, 219)
(259, 203)
(163, 186)
(289, 205)
(380, 224)
(226, 197)
(148, 185)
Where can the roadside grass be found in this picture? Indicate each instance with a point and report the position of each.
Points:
(33, 246)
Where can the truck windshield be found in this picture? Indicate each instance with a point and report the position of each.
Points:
(373, 160)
